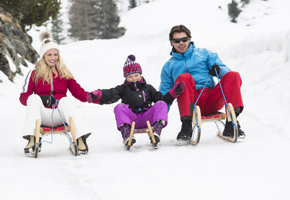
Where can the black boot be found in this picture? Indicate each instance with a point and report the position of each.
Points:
(229, 130)
(186, 130)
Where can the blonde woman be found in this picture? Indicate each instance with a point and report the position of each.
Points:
(49, 81)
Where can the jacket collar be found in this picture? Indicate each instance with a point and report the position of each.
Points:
(138, 85)
(186, 54)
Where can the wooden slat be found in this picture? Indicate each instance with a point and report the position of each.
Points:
(221, 117)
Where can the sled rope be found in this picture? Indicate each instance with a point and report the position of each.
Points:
(224, 98)
(196, 103)
(56, 103)
(70, 139)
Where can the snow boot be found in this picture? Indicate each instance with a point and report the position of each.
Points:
(157, 128)
(126, 141)
(31, 144)
(82, 145)
(186, 130)
(125, 131)
(229, 130)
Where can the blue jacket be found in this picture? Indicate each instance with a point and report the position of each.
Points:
(195, 61)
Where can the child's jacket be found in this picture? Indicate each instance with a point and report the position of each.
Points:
(138, 96)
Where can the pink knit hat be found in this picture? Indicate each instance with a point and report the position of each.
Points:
(131, 67)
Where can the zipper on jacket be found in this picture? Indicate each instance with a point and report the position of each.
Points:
(144, 96)
(51, 83)
(136, 86)
(185, 63)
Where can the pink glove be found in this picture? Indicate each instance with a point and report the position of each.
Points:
(178, 88)
(94, 95)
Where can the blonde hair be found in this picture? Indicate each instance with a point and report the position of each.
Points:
(42, 71)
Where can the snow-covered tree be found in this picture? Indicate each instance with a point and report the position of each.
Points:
(57, 29)
(233, 11)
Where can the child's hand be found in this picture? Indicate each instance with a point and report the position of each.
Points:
(178, 88)
(94, 95)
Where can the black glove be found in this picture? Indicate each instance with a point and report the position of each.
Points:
(48, 100)
(212, 71)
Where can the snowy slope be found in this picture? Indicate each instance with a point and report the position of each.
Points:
(258, 47)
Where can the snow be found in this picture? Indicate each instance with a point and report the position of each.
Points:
(258, 47)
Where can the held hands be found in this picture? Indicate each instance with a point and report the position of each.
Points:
(178, 88)
(48, 100)
(212, 71)
(92, 96)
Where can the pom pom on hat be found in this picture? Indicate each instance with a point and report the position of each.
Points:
(44, 35)
(47, 43)
(131, 67)
(132, 57)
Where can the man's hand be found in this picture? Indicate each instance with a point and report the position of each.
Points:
(212, 71)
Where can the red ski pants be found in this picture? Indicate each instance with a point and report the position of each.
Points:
(211, 100)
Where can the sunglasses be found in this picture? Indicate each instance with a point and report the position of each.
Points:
(177, 40)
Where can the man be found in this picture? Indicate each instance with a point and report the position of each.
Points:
(196, 67)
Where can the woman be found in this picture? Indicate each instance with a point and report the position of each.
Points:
(48, 84)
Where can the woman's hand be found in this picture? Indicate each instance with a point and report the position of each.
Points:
(94, 95)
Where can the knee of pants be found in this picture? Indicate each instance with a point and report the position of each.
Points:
(161, 103)
(65, 102)
(119, 107)
(184, 77)
(34, 99)
(233, 75)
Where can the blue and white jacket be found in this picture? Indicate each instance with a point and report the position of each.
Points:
(195, 61)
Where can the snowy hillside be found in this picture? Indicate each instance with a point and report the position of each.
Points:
(258, 47)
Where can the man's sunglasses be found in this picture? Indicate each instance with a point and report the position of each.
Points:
(177, 40)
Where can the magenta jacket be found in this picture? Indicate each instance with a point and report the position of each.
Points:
(60, 87)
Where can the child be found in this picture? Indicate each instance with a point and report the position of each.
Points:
(137, 97)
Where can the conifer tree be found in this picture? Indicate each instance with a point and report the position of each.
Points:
(57, 29)
(107, 20)
(233, 11)
(94, 19)
(82, 17)
(31, 12)
(132, 4)
(244, 2)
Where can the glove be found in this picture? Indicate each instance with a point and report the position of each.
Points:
(48, 100)
(212, 71)
(92, 96)
(178, 88)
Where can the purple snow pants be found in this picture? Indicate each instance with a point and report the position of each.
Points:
(125, 116)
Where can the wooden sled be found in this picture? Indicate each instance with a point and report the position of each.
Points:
(44, 131)
(147, 130)
(198, 120)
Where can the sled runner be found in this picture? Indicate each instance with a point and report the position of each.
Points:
(197, 119)
(216, 117)
(41, 131)
(147, 130)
